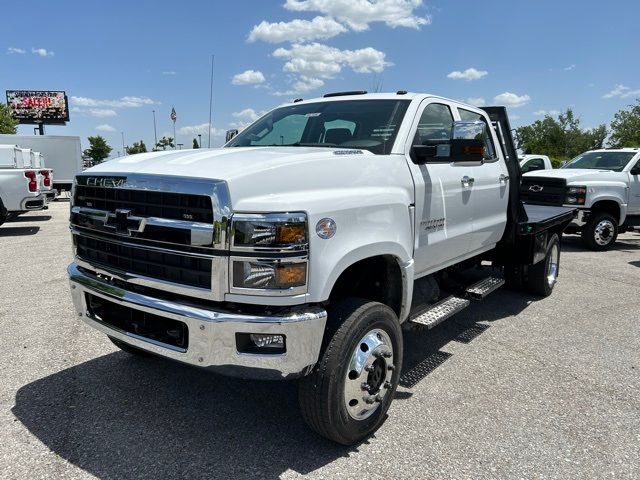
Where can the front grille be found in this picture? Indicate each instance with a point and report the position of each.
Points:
(182, 269)
(147, 325)
(146, 203)
(543, 191)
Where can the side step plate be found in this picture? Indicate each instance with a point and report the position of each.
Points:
(484, 287)
(440, 311)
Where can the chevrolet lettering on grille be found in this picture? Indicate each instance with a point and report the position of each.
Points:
(123, 223)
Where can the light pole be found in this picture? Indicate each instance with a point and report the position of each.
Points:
(155, 133)
(124, 150)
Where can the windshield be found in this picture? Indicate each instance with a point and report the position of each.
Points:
(363, 124)
(615, 161)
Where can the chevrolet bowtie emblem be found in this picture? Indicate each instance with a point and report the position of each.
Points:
(536, 188)
(123, 223)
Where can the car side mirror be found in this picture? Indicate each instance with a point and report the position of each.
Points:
(230, 134)
(635, 170)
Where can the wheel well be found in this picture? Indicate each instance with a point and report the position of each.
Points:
(376, 278)
(609, 206)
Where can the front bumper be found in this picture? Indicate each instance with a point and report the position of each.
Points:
(211, 332)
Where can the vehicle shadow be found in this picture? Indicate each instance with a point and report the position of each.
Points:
(17, 231)
(573, 243)
(32, 218)
(423, 348)
(119, 416)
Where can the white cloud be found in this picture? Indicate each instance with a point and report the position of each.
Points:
(102, 112)
(124, 102)
(42, 52)
(544, 113)
(169, 72)
(469, 74)
(621, 91)
(245, 118)
(476, 102)
(201, 129)
(358, 14)
(514, 117)
(509, 99)
(105, 127)
(570, 67)
(302, 84)
(317, 60)
(15, 50)
(248, 77)
(296, 30)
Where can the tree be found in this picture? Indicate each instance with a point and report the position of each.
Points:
(98, 149)
(137, 147)
(8, 124)
(165, 142)
(560, 138)
(625, 127)
(195, 144)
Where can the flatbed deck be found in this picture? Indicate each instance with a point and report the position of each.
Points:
(537, 218)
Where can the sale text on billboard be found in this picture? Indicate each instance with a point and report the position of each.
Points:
(31, 106)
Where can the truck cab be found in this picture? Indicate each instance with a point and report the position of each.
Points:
(603, 184)
(303, 246)
(531, 163)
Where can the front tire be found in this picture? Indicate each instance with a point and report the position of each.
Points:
(600, 232)
(346, 397)
(542, 276)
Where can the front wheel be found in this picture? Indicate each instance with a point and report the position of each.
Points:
(542, 276)
(346, 397)
(600, 232)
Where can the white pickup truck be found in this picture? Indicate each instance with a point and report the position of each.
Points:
(301, 248)
(20, 184)
(603, 184)
(530, 163)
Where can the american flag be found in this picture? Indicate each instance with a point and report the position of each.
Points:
(174, 117)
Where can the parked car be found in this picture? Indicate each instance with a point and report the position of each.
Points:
(530, 163)
(19, 184)
(301, 248)
(603, 184)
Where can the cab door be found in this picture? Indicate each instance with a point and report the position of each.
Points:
(443, 212)
(490, 190)
(634, 190)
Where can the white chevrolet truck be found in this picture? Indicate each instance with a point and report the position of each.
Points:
(20, 184)
(303, 246)
(603, 184)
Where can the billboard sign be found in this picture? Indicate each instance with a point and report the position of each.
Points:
(38, 107)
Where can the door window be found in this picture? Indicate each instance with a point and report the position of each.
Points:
(436, 123)
(533, 164)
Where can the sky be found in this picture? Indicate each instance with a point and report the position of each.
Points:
(120, 60)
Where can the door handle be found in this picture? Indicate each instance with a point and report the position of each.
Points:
(504, 178)
(467, 181)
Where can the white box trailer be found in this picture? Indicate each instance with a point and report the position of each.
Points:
(60, 153)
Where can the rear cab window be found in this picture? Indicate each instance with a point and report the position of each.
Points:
(469, 116)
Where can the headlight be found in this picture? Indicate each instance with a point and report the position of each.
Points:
(575, 196)
(269, 274)
(270, 231)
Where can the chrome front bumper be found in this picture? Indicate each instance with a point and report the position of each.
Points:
(212, 332)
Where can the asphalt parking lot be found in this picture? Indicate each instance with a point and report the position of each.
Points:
(514, 387)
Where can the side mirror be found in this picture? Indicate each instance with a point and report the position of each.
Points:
(467, 144)
(231, 134)
(635, 170)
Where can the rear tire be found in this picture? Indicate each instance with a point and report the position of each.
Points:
(346, 397)
(4, 215)
(600, 232)
(543, 275)
(128, 348)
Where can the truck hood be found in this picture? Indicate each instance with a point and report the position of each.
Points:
(577, 174)
(273, 177)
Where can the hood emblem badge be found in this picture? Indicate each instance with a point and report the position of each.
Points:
(536, 188)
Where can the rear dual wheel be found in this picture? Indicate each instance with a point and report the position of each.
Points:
(346, 397)
(541, 278)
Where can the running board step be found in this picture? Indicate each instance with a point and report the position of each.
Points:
(440, 311)
(484, 287)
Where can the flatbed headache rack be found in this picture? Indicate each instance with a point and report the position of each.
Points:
(528, 226)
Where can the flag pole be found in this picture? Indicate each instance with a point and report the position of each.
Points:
(210, 102)
(173, 117)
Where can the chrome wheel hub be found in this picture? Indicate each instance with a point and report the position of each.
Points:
(552, 269)
(368, 378)
(603, 233)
